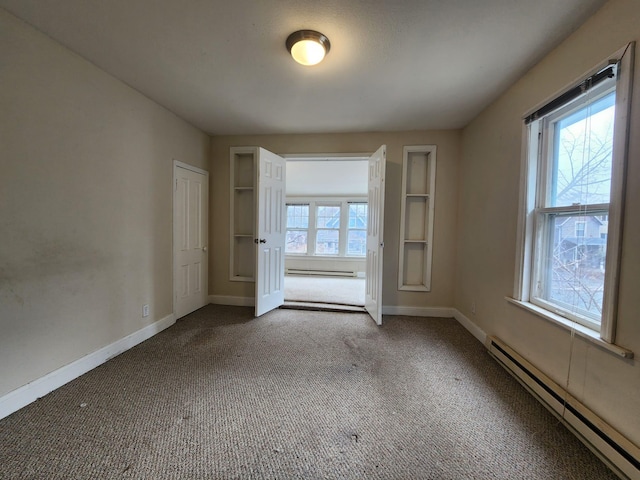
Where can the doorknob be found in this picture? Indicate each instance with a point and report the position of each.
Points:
(204, 249)
(263, 240)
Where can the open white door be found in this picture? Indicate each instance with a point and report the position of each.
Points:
(270, 231)
(190, 234)
(375, 241)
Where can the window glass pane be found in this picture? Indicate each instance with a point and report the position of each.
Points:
(358, 215)
(327, 242)
(296, 241)
(328, 217)
(357, 242)
(574, 275)
(582, 151)
(297, 216)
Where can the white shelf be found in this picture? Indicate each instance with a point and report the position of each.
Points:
(242, 168)
(416, 218)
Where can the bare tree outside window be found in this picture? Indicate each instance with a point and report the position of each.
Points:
(580, 177)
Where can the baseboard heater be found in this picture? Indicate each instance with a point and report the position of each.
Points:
(320, 273)
(620, 454)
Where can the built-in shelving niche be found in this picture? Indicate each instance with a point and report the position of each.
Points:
(416, 220)
(242, 208)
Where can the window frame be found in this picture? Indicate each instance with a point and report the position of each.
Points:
(313, 203)
(544, 211)
(529, 227)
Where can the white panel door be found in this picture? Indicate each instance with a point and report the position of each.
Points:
(270, 228)
(375, 241)
(190, 214)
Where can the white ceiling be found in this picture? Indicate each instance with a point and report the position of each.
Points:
(393, 64)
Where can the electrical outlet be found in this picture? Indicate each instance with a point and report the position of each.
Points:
(145, 310)
(473, 307)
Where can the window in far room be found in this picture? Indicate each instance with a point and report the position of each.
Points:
(297, 228)
(327, 227)
(357, 229)
(327, 230)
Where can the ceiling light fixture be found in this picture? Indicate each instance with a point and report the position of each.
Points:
(308, 47)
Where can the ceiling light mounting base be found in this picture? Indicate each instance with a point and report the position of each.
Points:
(308, 47)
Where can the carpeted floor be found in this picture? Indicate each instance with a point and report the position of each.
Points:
(340, 291)
(308, 395)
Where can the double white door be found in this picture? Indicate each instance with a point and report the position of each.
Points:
(271, 231)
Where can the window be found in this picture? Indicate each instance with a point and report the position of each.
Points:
(357, 229)
(572, 201)
(329, 226)
(574, 171)
(328, 230)
(297, 228)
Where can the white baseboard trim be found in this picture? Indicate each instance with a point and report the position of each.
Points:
(16, 399)
(470, 326)
(445, 312)
(229, 300)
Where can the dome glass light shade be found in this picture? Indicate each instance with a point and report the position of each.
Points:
(308, 47)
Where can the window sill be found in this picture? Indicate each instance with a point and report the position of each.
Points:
(584, 332)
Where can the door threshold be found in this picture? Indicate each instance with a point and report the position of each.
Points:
(323, 307)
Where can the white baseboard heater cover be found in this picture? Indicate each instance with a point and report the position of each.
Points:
(321, 273)
(620, 454)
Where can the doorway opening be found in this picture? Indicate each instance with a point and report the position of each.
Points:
(326, 222)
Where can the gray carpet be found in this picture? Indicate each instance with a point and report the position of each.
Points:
(340, 291)
(295, 395)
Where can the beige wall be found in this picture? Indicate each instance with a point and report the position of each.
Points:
(85, 205)
(487, 222)
(448, 143)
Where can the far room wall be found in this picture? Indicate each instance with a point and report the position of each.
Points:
(448, 143)
(326, 181)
